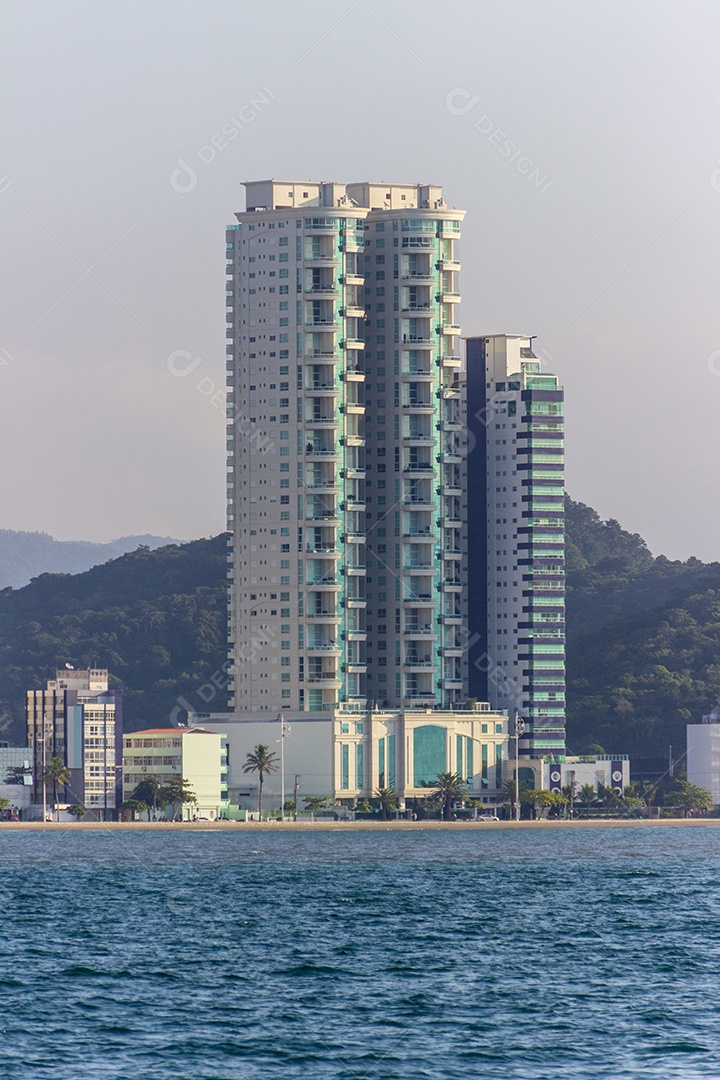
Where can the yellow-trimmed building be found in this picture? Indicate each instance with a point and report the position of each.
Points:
(196, 755)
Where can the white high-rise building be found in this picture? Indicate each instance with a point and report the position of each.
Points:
(346, 483)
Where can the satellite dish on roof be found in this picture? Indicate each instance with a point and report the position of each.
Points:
(69, 667)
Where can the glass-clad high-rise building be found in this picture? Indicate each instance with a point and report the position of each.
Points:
(516, 531)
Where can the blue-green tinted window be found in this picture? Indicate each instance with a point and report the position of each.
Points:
(359, 764)
(429, 754)
(459, 766)
(498, 729)
(469, 770)
(391, 761)
(498, 766)
(381, 763)
(345, 728)
(360, 728)
(484, 752)
(345, 749)
(484, 728)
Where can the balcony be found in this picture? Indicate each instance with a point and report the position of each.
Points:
(324, 647)
(418, 373)
(416, 664)
(316, 484)
(418, 275)
(449, 328)
(327, 582)
(326, 387)
(320, 354)
(325, 615)
(414, 339)
(447, 264)
(319, 290)
(418, 467)
(327, 452)
(419, 437)
(316, 549)
(427, 308)
(328, 680)
(422, 630)
(330, 324)
(326, 516)
(322, 418)
(419, 599)
(419, 405)
(419, 504)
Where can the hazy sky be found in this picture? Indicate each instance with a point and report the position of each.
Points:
(597, 229)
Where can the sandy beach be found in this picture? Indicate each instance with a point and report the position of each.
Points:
(350, 826)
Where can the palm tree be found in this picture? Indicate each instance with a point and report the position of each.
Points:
(57, 773)
(507, 795)
(261, 761)
(388, 801)
(570, 791)
(587, 794)
(449, 789)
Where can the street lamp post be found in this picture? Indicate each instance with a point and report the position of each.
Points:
(519, 731)
(284, 732)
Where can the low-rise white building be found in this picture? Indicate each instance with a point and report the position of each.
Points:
(348, 755)
(703, 754)
(553, 774)
(195, 754)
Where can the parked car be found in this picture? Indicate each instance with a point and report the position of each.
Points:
(487, 817)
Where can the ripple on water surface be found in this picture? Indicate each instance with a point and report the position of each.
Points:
(372, 956)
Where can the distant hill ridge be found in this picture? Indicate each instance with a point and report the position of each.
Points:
(643, 635)
(25, 555)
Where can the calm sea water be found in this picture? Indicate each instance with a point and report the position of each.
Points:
(391, 956)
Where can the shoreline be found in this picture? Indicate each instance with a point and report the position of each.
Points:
(346, 826)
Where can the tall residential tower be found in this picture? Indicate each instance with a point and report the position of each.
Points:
(516, 528)
(346, 480)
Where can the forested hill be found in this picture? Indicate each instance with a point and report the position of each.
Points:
(24, 555)
(156, 619)
(643, 639)
(643, 635)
